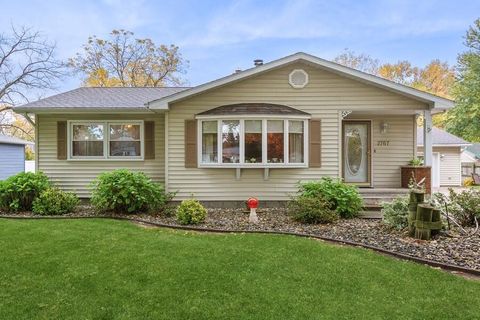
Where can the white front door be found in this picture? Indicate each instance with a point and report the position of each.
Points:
(435, 170)
(356, 152)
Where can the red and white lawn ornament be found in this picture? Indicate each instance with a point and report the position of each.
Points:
(252, 204)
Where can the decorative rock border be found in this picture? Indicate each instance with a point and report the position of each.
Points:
(436, 264)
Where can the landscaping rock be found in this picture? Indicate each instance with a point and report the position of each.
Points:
(463, 252)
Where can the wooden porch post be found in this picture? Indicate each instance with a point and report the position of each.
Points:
(427, 138)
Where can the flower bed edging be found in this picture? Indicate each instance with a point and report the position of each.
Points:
(402, 256)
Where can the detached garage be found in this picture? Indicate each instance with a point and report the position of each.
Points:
(446, 157)
(12, 156)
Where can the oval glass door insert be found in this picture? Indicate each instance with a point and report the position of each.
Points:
(355, 154)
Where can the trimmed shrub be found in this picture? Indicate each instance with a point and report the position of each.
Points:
(395, 213)
(124, 191)
(311, 210)
(191, 211)
(54, 201)
(465, 206)
(18, 192)
(343, 198)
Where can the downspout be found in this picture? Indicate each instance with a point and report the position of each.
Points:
(415, 137)
(165, 138)
(27, 117)
(427, 137)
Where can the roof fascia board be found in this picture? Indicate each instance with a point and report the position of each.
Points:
(448, 145)
(81, 110)
(434, 102)
(17, 143)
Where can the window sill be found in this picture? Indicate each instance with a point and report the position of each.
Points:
(105, 159)
(251, 166)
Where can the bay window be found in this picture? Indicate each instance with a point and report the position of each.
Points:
(252, 142)
(209, 142)
(230, 141)
(99, 140)
(275, 147)
(295, 141)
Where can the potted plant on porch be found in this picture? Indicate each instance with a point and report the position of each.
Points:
(417, 171)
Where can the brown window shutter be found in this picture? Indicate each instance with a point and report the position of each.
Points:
(315, 145)
(149, 139)
(190, 143)
(62, 140)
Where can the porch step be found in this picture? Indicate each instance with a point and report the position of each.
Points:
(372, 207)
(383, 190)
(377, 201)
(373, 198)
(368, 214)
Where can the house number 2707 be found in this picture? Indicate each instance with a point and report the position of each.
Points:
(383, 143)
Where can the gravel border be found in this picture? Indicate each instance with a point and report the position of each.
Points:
(455, 254)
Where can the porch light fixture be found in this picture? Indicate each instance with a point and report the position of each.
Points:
(384, 126)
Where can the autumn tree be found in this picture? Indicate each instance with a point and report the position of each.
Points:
(464, 119)
(437, 77)
(401, 72)
(27, 64)
(362, 61)
(125, 61)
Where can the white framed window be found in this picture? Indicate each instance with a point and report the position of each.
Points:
(105, 140)
(87, 140)
(252, 142)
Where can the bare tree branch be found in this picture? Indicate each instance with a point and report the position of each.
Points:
(124, 61)
(27, 63)
(13, 128)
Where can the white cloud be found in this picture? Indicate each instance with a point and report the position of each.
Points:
(248, 20)
(244, 21)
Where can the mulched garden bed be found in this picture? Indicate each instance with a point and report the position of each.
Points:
(462, 252)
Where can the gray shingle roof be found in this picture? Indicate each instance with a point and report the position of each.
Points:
(474, 149)
(253, 108)
(13, 140)
(100, 98)
(440, 137)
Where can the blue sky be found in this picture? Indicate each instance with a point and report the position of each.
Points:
(220, 36)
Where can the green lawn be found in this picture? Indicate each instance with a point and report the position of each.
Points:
(104, 269)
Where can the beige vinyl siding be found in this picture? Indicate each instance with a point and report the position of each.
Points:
(450, 165)
(75, 175)
(326, 95)
(387, 160)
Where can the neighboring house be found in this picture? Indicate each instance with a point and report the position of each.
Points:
(257, 132)
(12, 156)
(446, 160)
(471, 160)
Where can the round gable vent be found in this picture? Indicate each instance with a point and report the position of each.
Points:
(298, 78)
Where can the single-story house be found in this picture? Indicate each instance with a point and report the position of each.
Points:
(12, 156)
(256, 132)
(471, 160)
(446, 158)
